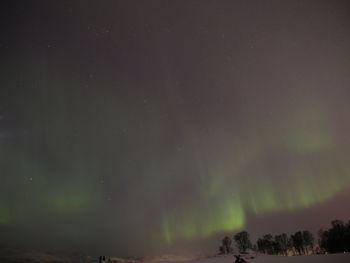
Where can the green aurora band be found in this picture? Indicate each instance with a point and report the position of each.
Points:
(231, 167)
(223, 203)
(228, 212)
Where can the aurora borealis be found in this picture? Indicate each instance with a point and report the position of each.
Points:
(138, 127)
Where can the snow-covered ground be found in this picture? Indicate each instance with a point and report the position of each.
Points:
(335, 258)
(38, 257)
(22, 256)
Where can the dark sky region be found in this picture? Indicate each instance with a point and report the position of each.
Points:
(136, 128)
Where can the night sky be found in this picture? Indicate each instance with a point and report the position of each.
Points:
(144, 127)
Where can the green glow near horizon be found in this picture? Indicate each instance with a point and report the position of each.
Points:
(226, 198)
(230, 216)
(65, 201)
(227, 216)
(230, 170)
(5, 218)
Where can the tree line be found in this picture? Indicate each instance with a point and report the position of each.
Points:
(336, 239)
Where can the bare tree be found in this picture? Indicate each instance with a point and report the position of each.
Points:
(308, 241)
(226, 244)
(242, 241)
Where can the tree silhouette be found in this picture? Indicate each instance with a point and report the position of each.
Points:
(334, 240)
(265, 244)
(321, 241)
(242, 241)
(261, 245)
(308, 241)
(347, 237)
(298, 243)
(282, 242)
(226, 244)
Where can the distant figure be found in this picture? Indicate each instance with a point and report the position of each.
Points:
(239, 259)
(103, 259)
(100, 259)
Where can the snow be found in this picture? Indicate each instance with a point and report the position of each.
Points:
(39, 257)
(334, 258)
(20, 256)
